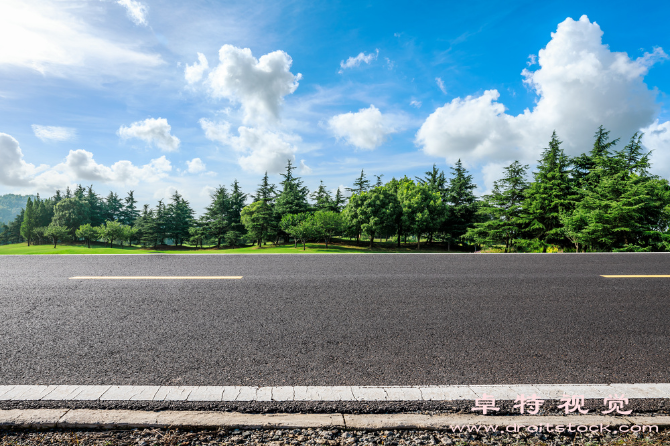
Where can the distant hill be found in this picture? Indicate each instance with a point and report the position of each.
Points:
(11, 205)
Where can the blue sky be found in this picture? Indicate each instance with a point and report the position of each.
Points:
(115, 94)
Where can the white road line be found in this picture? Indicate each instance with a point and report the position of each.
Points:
(323, 393)
(155, 277)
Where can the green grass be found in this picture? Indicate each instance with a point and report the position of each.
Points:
(320, 248)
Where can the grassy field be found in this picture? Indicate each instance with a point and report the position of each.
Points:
(333, 248)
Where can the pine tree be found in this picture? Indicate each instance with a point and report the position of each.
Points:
(113, 207)
(361, 184)
(218, 215)
(550, 194)
(180, 218)
(129, 212)
(238, 200)
(28, 225)
(503, 210)
(460, 202)
(339, 201)
(96, 207)
(322, 197)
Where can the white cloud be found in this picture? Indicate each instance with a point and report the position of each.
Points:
(51, 133)
(78, 165)
(50, 38)
(440, 84)
(389, 63)
(258, 84)
(14, 171)
(356, 61)
(532, 59)
(152, 131)
(657, 139)
(193, 73)
(260, 150)
(415, 103)
(137, 12)
(367, 129)
(195, 165)
(580, 85)
(304, 168)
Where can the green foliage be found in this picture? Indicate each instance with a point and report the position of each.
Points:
(233, 238)
(112, 231)
(29, 222)
(461, 203)
(375, 212)
(57, 233)
(502, 210)
(71, 213)
(422, 209)
(328, 223)
(258, 219)
(300, 226)
(88, 233)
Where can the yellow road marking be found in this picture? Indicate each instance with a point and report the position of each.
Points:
(156, 277)
(635, 276)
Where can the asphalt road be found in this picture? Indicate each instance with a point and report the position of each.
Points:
(335, 320)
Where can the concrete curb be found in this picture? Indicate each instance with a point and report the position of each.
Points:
(130, 419)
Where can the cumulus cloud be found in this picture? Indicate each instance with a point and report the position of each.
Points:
(14, 171)
(304, 168)
(78, 166)
(51, 133)
(657, 139)
(259, 85)
(367, 129)
(440, 84)
(195, 165)
(356, 61)
(580, 84)
(259, 150)
(51, 38)
(137, 12)
(193, 73)
(152, 131)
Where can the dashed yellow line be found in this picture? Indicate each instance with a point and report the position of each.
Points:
(635, 276)
(155, 277)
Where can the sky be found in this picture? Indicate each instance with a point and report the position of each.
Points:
(156, 96)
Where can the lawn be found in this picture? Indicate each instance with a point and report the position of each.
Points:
(312, 248)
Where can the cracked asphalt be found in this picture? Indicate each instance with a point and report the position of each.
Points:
(335, 320)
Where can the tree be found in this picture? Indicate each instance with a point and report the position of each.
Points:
(113, 207)
(146, 226)
(179, 218)
(218, 215)
(237, 202)
(233, 238)
(113, 230)
(422, 208)
(361, 184)
(502, 210)
(436, 180)
(257, 219)
(71, 213)
(57, 232)
(461, 204)
(199, 232)
(88, 233)
(129, 234)
(375, 212)
(339, 201)
(129, 212)
(300, 227)
(549, 194)
(323, 199)
(329, 223)
(96, 206)
(293, 197)
(29, 222)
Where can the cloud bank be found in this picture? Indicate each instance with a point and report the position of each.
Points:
(154, 132)
(580, 84)
(366, 129)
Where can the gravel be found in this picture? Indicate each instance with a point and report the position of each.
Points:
(175, 437)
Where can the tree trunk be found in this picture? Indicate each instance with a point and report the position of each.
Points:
(88, 242)
(295, 242)
(326, 239)
(303, 245)
(448, 245)
(372, 238)
(418, 242)
(54, 242)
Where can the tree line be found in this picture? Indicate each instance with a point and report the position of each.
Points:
(603, 200)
